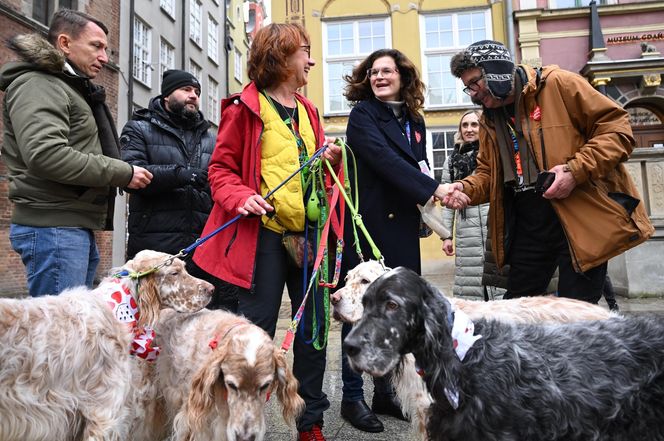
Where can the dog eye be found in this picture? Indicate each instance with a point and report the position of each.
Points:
(365, 281)
(231, 386)
(264, 387)
(391, 305)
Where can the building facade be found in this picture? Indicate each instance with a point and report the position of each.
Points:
(617, 45)
(157, 35)
(429, 32)
(32, 16)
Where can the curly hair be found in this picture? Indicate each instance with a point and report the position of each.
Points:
(270, 50)
(412, 88)
(461, 62)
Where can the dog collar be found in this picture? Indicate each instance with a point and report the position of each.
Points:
(121, 302)
(462, 340)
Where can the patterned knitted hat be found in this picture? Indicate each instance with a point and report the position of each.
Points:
(496, 62)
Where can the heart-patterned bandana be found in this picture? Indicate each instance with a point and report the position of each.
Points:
(117, 296)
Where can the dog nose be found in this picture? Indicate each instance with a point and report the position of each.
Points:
(351, 347)
(334, 298)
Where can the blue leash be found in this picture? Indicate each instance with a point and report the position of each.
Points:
(202, 240)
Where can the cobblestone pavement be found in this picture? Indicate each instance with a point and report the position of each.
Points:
(441, 274)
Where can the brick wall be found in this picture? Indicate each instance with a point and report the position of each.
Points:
(12, 271)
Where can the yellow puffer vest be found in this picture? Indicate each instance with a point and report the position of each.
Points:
(279, 159)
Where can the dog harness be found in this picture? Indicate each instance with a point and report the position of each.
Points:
(121, 302)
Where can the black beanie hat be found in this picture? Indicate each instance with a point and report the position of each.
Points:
(174, 79)
(496, 62)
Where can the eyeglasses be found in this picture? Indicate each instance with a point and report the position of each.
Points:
(386, 72)
(473, 86)
(307, 49)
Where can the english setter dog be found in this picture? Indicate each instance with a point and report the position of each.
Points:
(65, 367)
(216, 372)
(409, 386)
(596, 380)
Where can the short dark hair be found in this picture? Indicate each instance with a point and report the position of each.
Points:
(268, 56)
(67, 21)
(461, 62)
(358, 87)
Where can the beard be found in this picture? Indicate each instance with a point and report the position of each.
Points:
(180, 110)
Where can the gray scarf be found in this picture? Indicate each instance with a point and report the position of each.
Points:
(506, 143)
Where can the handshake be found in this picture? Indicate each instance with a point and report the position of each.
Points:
(452, 195)
(192, 176)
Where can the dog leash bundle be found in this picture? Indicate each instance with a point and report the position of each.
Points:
(357, 217)
(319, 340)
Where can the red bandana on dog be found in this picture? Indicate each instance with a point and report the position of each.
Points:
(119, 299)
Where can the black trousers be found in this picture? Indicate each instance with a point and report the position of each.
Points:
(274, 269)
(537, 246)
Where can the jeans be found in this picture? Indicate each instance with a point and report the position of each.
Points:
(55, 258)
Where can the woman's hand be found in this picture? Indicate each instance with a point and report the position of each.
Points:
(255, 204)
(452, 195)
(448, 247)
(333, 151)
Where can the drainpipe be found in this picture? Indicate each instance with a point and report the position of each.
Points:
(130, 67)
(510, 27)
(184, 36)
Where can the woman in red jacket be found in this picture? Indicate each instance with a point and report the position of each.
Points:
(265, 134)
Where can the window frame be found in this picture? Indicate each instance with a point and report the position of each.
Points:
(462, 100)
(196, 22)
(448, 133)
(163, 64)
(355, 57)
(142, 65)
(213, 39)
(168, 7)
(213, 101)
(238, 67)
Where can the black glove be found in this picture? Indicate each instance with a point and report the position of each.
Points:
(192, 176)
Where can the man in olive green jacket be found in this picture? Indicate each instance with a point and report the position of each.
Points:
(586, 209)
(62, 153)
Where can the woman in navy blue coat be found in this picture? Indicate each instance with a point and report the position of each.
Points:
(387, 135)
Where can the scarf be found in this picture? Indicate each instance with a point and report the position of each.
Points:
(463, 163)
(504, 127)
(108, 136)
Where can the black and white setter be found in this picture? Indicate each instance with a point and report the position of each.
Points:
(598, 380)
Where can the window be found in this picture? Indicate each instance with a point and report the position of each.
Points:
(442, 145)
(166, 57)
(213, 39)
(555, 4)
(196, 21)
(346, 44)
(42, 10)
(443, 36)
(213, 101)
(238, 65)
(195, 70)
(142, 59)
(168, 6)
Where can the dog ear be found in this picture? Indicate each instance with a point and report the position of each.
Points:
(148, 300)
(286, 388)
(440, 362)
(201, 399)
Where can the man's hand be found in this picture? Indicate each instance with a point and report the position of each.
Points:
(192, 176)
(255, 204)
(563, 184)
(448, 247)
(333, 152)
(140, 179)
(452, 195)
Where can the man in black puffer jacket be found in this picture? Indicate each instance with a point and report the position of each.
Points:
(171, 139)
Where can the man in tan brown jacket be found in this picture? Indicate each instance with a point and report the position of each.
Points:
(551, 165)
